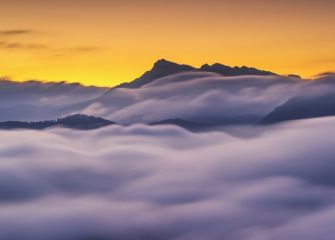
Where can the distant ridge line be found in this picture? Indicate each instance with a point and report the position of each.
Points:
(163, 68)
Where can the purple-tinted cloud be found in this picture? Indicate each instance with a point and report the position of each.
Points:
(145, 182)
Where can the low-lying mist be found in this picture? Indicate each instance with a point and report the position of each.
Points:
(163, 182)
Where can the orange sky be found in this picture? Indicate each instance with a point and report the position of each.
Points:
(106, 42)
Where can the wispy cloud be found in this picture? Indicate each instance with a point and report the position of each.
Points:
(54, 51)
(72, 51)
(15, 32)
(83, 49)
(17, 45)
(8, 43)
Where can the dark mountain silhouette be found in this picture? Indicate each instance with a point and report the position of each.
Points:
(189, 125)
(160, 69)
(163, 68)
(194, 126)
(78, 121)
(302, 108)
(234, 71)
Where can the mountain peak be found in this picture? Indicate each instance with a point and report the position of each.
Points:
(216, 67)
(169, 66)
(160, 69)
(163, 68)
(163, 63)
(233, 71)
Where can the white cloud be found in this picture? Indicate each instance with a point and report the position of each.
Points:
(163, 182)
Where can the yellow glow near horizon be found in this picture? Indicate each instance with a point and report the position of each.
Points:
(104, 43)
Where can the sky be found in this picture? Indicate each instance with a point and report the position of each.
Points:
(104, 43)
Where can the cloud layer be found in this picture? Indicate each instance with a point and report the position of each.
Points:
(35, 100)
(145, 182)
(199, 96)
(194, 96)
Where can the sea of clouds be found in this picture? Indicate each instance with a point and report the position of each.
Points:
(193, 96)
(205, 97)
(200, 97)
(163, 182)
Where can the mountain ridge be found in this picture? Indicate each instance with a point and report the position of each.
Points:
(163, 68)
(302, 107)
(192, 126)
(76, 121)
